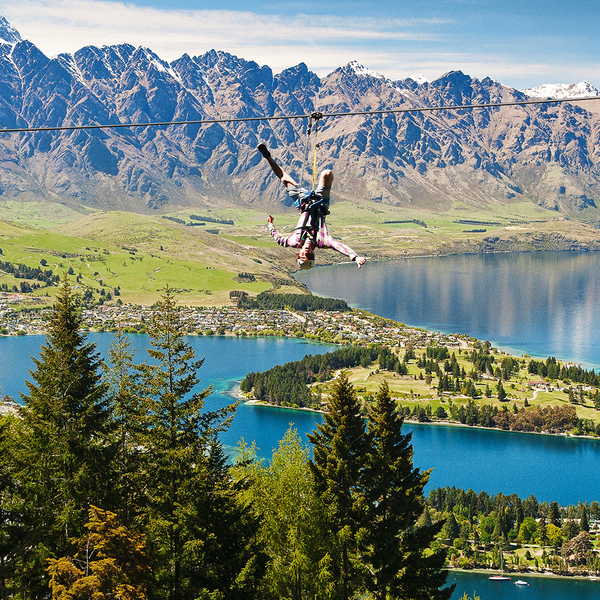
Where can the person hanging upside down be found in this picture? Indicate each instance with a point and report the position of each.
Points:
(311, 231)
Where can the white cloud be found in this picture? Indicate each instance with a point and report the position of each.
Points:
(56, 25)
(396, 48)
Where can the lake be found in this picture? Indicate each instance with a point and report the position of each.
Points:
(550, 467)
(533, 303)
(227, 360)
(539, 303)
(539, 588)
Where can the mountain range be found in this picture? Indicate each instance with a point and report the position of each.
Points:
(548, 154)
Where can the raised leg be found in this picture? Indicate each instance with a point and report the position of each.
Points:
(285, 178)
(326, 178)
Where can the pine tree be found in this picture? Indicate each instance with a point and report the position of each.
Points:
(554, 514)
(393, 491)
(11, 536)
(64, 454)
(223, 556)
(584, 523)
(501, 391)
(126, 432)
(178, 437)
(339, 454)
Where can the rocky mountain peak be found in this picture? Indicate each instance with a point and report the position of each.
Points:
(363, 71)
(8, 34)
(562, 91)
(543, 154)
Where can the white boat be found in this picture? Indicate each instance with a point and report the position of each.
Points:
(500, 577)
(521, 582)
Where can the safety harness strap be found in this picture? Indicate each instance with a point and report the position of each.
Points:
(314, 210)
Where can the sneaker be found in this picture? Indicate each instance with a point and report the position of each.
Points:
(264, 151)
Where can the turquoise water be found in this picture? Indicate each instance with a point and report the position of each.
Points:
(540, 303)
(227, 360)
(550, 467)
(539, 588)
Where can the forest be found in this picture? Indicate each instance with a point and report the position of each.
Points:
(532, 535)
(114, 484)
(287, 385)
(297, 302)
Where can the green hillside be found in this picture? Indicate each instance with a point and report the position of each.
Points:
(138, 255)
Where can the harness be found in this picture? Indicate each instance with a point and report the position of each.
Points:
(314, 210)
(312, 206)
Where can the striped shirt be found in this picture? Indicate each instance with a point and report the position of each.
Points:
(305, 230)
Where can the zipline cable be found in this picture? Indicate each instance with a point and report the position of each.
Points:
(289, 117)
(316, 116)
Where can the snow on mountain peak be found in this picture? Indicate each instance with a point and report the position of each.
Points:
(562, 91)
(363, 71)
(8, 34)
(420, 79)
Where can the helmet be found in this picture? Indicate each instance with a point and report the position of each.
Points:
(306, 263)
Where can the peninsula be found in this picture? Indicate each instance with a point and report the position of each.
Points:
(434, 377)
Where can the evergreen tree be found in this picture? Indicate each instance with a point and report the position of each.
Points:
(11, 535)
(180, 445)
(451, 530)
(393, 491)
(501, 391)
(223, 556)
(339, 454)
(127, 429)
(293, 519)
(64, 458)
(554, 514)
(584, 523)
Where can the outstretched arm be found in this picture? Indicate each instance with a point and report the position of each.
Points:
(292, 240)
(325, 240)
(343, 249)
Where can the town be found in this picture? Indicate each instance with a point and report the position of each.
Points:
(352, 327)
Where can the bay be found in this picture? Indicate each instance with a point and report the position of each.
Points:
(550, 467)
(539, 303)
(539, 588)
(227, 360)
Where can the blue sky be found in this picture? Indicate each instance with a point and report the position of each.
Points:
(520, 43)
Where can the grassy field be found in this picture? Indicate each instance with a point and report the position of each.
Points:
(138, 255)
(411, 390)
(141, 254)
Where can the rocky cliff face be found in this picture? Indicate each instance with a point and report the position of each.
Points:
(547, 154)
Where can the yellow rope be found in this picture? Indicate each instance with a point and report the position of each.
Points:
(315, 157)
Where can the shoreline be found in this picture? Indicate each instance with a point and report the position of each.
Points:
(517, 352)
(517, 574)
(236, 393)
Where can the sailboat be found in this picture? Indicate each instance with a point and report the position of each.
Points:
(500, 577)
